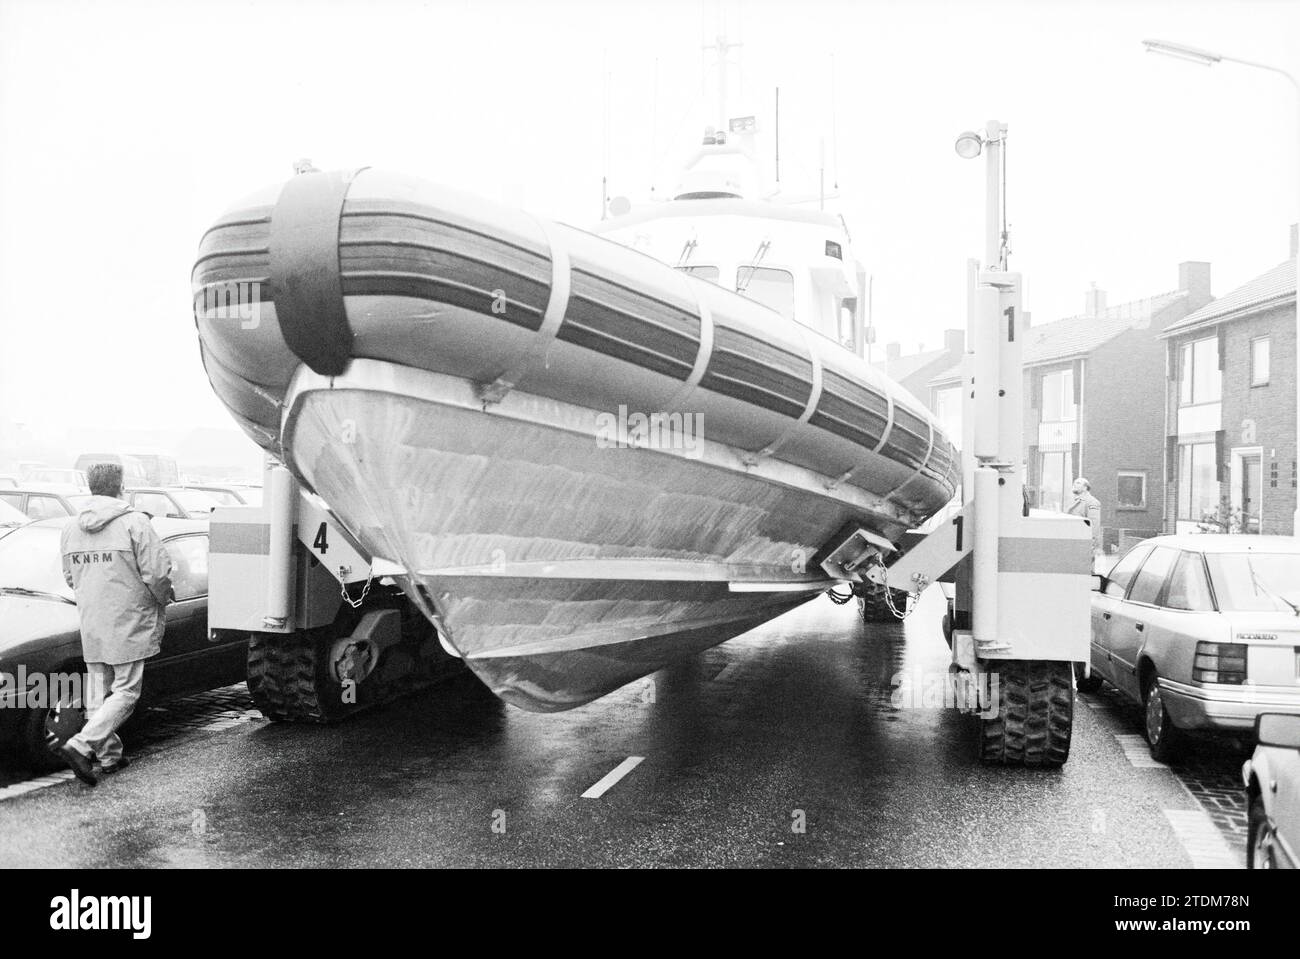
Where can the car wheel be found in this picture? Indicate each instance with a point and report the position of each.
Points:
(1085, 684)
(1163, 737)
(1260, 838)
(44, 730)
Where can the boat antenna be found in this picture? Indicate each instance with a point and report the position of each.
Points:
(722, 48)
(821, 175)
(835, 139)
(777, 136)
(604, 172)
(654, 126)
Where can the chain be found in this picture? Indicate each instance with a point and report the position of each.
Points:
(355, 603)
(913, 596)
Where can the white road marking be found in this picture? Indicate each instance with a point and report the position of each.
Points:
(722, 672)
(1137, 751)
(31, 785)
(1201, 839)
(1095, 703)
(613, 776)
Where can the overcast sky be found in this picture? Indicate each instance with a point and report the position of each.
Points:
(127, 127)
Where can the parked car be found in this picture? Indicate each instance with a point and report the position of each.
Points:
(39, 631)
(42, 477)
(133, 471)
(230, 494)
(39, 503)
(11, 518)
(1202, 631)
(174, 502)
(1272, 777)
(160, 468)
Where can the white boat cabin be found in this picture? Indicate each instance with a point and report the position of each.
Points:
(720, 227)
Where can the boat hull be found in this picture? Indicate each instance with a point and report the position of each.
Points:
(558, 568)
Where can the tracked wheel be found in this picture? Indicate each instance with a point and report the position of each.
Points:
(1035, 715)
(873, 607)
(291, 678)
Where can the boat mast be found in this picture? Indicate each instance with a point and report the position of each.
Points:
(721, 47)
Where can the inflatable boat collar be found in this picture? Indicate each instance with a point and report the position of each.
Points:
(308, 289)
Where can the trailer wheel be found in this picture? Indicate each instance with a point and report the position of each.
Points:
(291, 679)
(1035, 718)
(872, 604)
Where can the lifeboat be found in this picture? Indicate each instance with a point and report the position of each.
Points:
(584, 461)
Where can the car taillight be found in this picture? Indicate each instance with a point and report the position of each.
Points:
(1220, 663)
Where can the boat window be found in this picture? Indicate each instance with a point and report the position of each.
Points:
(709, 273)
(773, 288)
(848, 327)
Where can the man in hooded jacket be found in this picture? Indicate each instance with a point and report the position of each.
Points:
(121, 574)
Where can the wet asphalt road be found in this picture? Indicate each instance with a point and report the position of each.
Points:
(788, 726)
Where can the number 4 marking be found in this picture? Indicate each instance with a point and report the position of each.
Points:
(321, 542)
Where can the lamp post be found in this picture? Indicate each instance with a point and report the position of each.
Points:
(970, 145)
(1208, 59)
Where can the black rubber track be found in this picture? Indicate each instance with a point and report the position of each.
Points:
(1035, 716)
(290, 680)
(872, 606)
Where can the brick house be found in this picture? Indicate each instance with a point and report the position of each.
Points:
(913, 371)
(1230, 409)
(1094, 404)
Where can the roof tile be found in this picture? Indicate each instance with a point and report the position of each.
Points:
(1078, 335)
(1277, 284)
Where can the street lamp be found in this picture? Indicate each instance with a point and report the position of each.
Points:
(969, 145)
(1209, 58)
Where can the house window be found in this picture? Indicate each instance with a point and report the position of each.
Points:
(947, 410)
(1198, 484)
(1058, 397)
(1259, 361)
(1132, 489)
(1055, 479)
(773, 288)
(1200, 379)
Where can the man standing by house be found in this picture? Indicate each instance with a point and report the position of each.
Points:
(121, 574)
(1089, 507)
